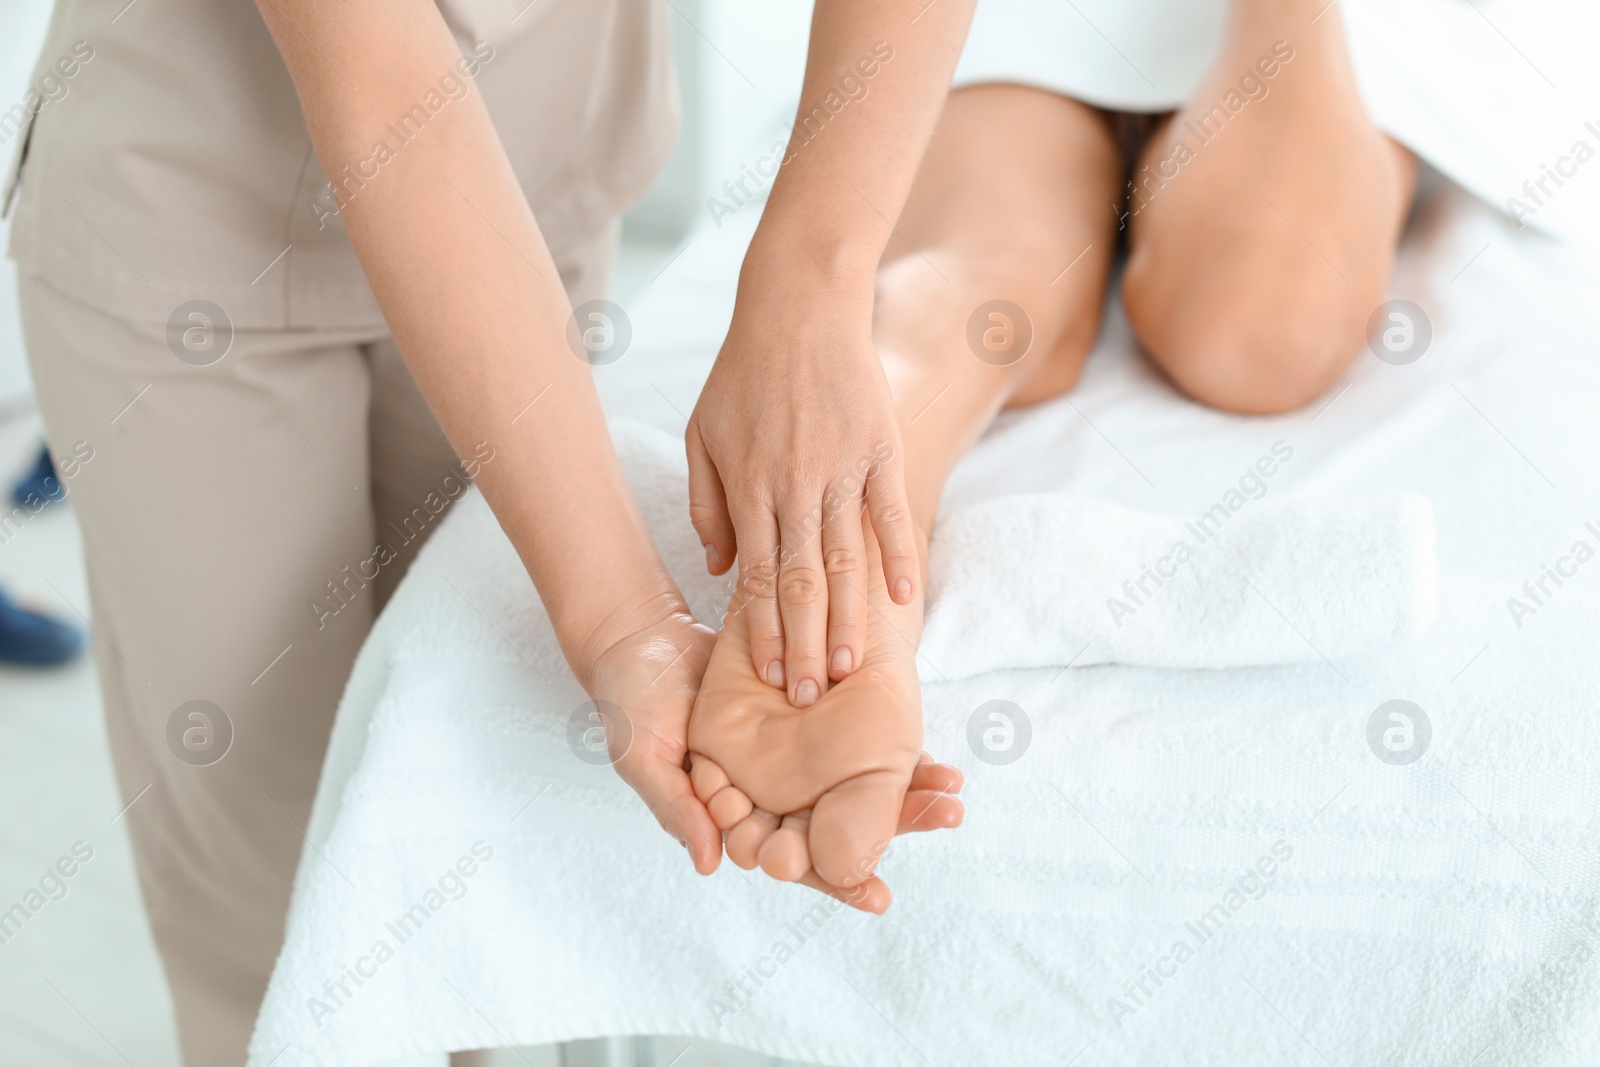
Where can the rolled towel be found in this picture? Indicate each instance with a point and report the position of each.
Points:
(1049, 580)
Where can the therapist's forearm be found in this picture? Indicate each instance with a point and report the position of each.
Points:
(877, 74)
(467, 286)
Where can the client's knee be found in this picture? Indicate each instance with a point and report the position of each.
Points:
(1262, 345)
(1056, 362)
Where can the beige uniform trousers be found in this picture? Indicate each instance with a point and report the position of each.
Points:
(230, 514)
(233, 509)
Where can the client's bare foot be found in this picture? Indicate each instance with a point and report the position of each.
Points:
(930, 803)
(820, 788)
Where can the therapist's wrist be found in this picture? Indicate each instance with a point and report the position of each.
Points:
(800, 309)
(624, 612)
(831, 266)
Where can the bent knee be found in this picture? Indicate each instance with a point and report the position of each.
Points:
(1058, 360)
(1265, 353)
(1249, 374)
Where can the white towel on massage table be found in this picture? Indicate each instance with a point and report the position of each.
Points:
(1053, 580)
(1049, 580)
(1424, 913)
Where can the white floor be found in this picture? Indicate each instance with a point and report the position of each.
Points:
(80, 983)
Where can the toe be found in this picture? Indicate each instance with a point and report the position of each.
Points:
(729, 807)
(707, 777)
(744, 841)
(852, 825)
(785, 855)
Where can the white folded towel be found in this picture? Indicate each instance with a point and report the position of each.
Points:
(1088, 582)
(1056, 580)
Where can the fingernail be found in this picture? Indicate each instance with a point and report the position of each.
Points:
(902, 589)
(840, 663)
(775, 674)
(806, 693)
(713, 558)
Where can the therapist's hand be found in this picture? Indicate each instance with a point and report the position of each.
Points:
(795, 432)
(652, 674)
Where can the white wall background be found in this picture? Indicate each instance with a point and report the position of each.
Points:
(739, 70)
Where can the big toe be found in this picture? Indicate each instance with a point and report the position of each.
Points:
(852, 825)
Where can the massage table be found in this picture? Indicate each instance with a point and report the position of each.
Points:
(1379, 853)
(1341, 896)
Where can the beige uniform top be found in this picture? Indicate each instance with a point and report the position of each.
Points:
(160, 155)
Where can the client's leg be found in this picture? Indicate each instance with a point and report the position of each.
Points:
(1265, 216)
(1014, 202)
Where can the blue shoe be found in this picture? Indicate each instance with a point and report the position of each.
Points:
(40, 486)
(29, 639)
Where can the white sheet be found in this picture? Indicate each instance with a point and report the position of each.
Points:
(1498, 95)
(1442, 912)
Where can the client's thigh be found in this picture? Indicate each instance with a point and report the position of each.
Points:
(1264, 217)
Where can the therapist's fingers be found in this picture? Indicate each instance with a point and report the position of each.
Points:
(803, 603)
(757, 595)
(844, 558)
(889, 509)
(938, 777)
(708, 503)
(931, 802)
(871, 896)
(927, 809)
(667, 792)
